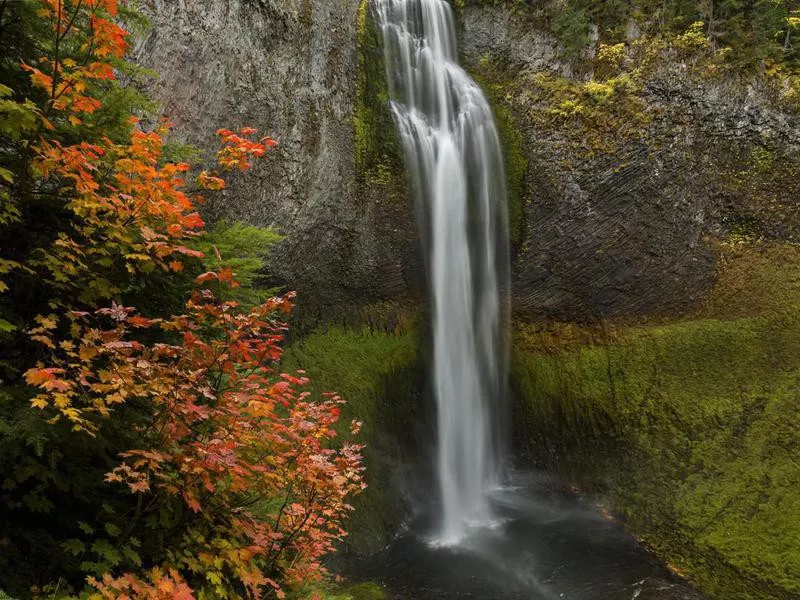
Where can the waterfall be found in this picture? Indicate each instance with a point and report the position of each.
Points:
(452, 151)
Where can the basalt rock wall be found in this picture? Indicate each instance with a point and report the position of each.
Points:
(629, 182)
(291, 69)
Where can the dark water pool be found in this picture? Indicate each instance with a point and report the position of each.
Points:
(546, 544)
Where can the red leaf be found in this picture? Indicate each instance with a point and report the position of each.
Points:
(188, 251)
(205, 277)
(39, 376)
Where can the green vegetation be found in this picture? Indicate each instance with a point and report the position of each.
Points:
(377, 153)
(377, 372)
(495, 87)
(118, 341)
(691, 427)
(243, 249)
(747, 32)
(360, 591)
(49, 480)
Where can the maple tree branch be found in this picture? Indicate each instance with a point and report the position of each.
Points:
(283, 508)
(90, 49)
(63, 37)
(72, 19)
(56, 54)
(290, 537)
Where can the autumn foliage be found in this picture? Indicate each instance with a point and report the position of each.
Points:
(244, 448)
(237, 486)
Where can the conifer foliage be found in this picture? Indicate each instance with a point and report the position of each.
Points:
(747, 32)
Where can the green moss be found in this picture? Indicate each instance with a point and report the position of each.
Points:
(376, 148)
(494, 84)
(328, 591)
(377, 374)
(760, 184)
(598, 116)
(366, 591)
(692, 427)
(754, 279)
(362, 117)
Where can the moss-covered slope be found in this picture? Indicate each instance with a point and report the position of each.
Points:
(692, 427)
(377, 372)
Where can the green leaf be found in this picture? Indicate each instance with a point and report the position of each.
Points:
(74, 546)
(16, 118)
(112, 530)
(85, 528)
(104, 550)
(90, 566)
(132, 555)
(37, 503)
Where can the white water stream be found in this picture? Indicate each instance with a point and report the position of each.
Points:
(452, 151)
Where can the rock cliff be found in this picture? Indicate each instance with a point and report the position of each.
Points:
(625, 186)
(614, 222)
(291, 69)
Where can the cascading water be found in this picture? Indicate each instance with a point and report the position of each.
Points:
(453, 153)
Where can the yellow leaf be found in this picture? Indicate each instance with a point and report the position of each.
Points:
(44, 340)
(48, 322)
(87, 352)
(73, 414)
(61, 400)
(39, 402)
(115, 398)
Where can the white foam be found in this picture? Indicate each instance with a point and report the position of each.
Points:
(453, 153)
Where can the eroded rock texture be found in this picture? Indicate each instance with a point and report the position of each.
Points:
(289, 68)
(627, 229)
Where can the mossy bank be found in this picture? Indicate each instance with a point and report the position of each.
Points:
(377, 369)
(690, 427)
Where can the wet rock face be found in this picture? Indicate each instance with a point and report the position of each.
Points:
(495, 32)
(657, 589)
(622, 238)
(628, 229)
(283, 66)
(289, 68)
(625, 232)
